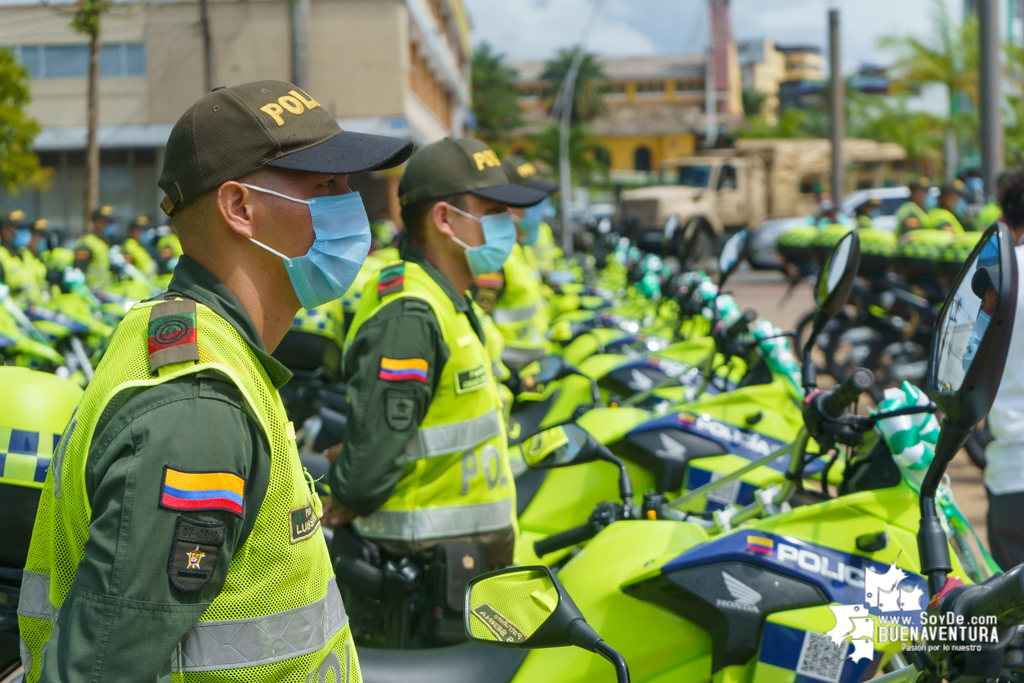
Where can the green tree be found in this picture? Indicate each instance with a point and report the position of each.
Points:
(495, 95)
(586, 156)
(19, 166)
(587, 100)
(884, 119)
(811, 122)
(948, 57)
(752, 101)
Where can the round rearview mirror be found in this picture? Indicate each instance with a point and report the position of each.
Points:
(974, 329)
(835, 280)
(671, 225)
(733, 251)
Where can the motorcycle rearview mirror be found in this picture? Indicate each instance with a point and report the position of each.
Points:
(733, 251)
(545, 370)
(969, 351)
(570, 444)
(831, 292)
(527, 608)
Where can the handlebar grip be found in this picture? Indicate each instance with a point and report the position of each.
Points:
(1004, 599)
(835, 402)
(566, 539)
(743, 324)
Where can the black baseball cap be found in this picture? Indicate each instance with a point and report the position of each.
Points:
(234, 131)
(522, 172)
(985, 277)
(455, 166)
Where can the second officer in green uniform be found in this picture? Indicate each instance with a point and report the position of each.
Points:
(425, 458)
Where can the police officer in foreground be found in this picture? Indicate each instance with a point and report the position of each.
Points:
(911, 215)
(425, 458)
(177, 535)
(92, 249)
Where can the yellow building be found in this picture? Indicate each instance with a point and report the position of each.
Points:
(396, 67)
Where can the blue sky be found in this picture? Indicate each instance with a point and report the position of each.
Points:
(534, 29)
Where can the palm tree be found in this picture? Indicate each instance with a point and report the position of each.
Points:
(587, 103)
(948, 58)
(586, 155)
(495, 95)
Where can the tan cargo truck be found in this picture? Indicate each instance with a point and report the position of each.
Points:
(700, 199)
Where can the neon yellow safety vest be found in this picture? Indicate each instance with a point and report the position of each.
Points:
(13, 268)
(169, 251)
(521, 314)
(456, 480)
(944, 219)
(97, 273)
(544, 249)
(140, 257)
(279, 616)
(910, 217)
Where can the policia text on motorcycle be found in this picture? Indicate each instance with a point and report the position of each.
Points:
(424, 458)
(172, 531)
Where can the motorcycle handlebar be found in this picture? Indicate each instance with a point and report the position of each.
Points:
(1004, 599)
(566, 539)
(835, 401)
(742, 325)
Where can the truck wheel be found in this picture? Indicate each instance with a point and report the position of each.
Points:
(698, 253)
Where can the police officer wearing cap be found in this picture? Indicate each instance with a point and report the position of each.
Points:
(133, 250)
(943, 216)
(177, 534)
(14, 234)
(92, 249)
(911, 215)
(424, 459)
(513, 296)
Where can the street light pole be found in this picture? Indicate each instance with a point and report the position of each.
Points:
(566, 101)
(990, 95)
(838, 109)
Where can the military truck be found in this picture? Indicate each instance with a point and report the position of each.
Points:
(701, 199)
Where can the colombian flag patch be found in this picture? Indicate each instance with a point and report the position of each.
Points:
(183, 490)
(491, 281)
(396, 370)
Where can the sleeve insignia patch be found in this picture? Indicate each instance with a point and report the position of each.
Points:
(194, 552)
(399, 408)
(391, 280)
(912, 223)
(491, 281)
(172, 334)
(302, 522)
(486, 299)
(202, 491)
(397, 370)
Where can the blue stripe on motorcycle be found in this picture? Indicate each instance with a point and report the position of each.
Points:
(697, 477)
(781, 646)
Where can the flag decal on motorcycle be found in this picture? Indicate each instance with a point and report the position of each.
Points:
(202, 491)
(760, 545)
(498, 624)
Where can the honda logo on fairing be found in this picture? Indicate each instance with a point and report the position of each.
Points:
(734, 435)
(744, 598)
(811, 561)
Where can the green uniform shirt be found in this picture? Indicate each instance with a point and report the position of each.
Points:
(124, 617)
(364, 475)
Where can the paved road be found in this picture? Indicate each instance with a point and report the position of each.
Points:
(765, 292)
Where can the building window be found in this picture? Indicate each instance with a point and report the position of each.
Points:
(613, 89)
(690, 86)
(650, 87)
(642, 159)
(117, 60)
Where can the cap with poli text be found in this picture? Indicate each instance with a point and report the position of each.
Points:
(455, 166)
(15, 218)
(234, 131)
(522, 172)
(105, 212)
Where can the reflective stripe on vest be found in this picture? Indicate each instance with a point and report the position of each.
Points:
(25, 456)
(432, 442)
(430, 523)
(233, 643)
(34, 600)
(518, 355)
(514, 315)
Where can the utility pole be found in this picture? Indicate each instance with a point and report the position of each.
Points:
(710, 98)
(567, 99)
(204, 20)
(990, 95)
(838, 109)
(300, 43)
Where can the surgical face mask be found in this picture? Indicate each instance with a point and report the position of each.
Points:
(22, 237)
(499, 238)
(546, 209)
(980, 325)
(930, 202)
(342, 242)
(146, 237)
(110, 232)
(529, 225)
(961, 206)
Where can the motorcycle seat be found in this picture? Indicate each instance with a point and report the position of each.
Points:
(463, 663)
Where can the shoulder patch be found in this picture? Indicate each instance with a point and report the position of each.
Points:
(183, 490)
(82, 254)
(391, 280)
(399, 408)
(486, 299)
(912, 223)
(172, 334)
(397, 370)
(194, 552)
(491, 281)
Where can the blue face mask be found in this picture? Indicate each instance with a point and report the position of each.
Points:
(930, 202)
(499, 238)
(529, 225)
(146, 238)
(961, 206)
(342, 242)
(22, 238)
(546, 209)
(980, 325)
(110, 232)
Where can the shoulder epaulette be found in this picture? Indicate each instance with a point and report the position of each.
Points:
(391, 279)
(172, 334)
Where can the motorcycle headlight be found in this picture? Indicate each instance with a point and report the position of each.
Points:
(656, 343)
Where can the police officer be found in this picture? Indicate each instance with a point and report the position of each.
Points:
(943, 216)
(911, 215)
(133, 249)
(513, 296)
(178, 535)
(13, 233)
(92, 249)
(425, 459)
